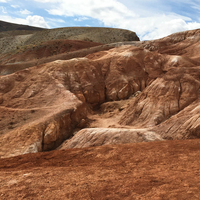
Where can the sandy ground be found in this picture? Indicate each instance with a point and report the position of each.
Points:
(108, 115)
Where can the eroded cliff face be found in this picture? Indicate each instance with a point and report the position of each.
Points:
(37, 112)
(170, 103)
(43, 105)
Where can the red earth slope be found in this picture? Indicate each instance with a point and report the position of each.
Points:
(45, 49)
(155, 170)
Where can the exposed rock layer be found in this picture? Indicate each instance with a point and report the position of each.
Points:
(43, 105)
(103, 136)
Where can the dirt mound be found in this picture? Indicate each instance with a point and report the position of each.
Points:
(27, 98)
(155, 170)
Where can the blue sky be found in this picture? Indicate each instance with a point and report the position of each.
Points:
(150, 19)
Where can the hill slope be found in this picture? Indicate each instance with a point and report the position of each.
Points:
(10, 42)
(92, 34)
(6, 26)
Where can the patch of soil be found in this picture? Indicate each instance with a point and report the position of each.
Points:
(154, 170)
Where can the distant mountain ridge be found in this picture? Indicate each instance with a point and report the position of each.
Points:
(6, 26)
(14, 37)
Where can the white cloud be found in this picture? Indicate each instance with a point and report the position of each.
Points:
(34, 20)
(80, 19)
(12, 20)
(53, 22)
(48, 1)
(168, 26)
(56, 20)
(25, 12)
(144, 17)
(15, 6)
(4, 1)
(160, 25)
(3, 10)
(104, 10)
(196, 6)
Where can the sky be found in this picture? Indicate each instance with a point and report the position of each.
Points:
(150, 19)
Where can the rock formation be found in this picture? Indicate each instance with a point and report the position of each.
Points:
(151, 94)
(28, 96)
(170, 103)
(103, 136)
(37, 112)
(109, 112)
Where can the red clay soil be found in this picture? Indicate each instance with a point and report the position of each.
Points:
(154, 170)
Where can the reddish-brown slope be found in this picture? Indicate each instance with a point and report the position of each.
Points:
(36, 112)
(170, 102)
(182, 43)
(46, 49)
(9, 68)
(157, 170)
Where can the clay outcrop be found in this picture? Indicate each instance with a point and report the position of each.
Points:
(127, 92)
(37, 112)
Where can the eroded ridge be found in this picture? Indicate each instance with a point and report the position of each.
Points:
(46, 104)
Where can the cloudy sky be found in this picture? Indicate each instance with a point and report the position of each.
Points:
(150, 19)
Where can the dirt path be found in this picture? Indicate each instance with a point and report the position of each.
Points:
(108, 115)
